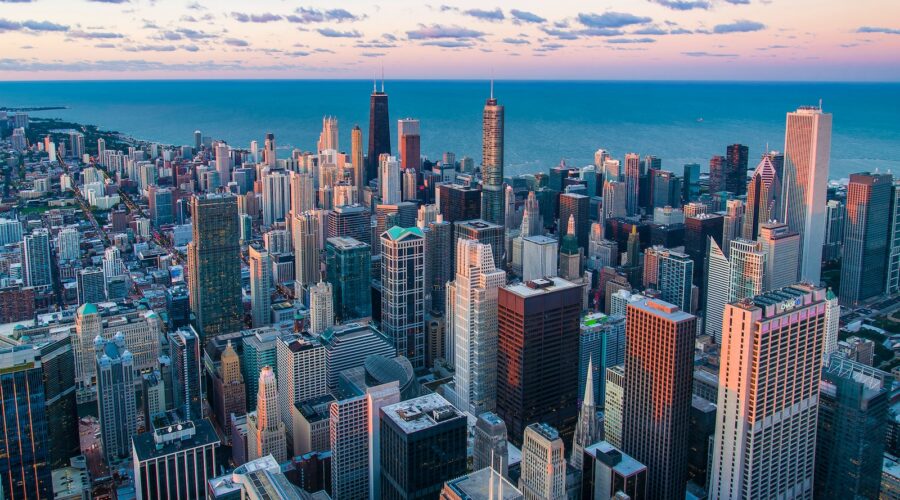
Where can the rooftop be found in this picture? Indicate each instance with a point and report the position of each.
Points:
(540, 286)
(662, 309)
(621, 463)
(174, 438)
(421, 413)
(484, 484)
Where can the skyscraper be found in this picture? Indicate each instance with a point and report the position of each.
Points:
(184, 353)
(229, 387)
(265, 430)
(321, 308)
(538, 327)
(473, 321)
(115, 397)
(675, 279)
(25, 447)
(738, 277)
(761, 409)
(807, 155)
(866, 237)
(36, 252)
(614, 404)
(276, 195)
(409, 144)
(260, 286)
(90, 285)
(389, 180)
(349, 432)
(578, 206)
(658, 373)
(306, 236)
(732, 224)
(302, 376)
(892, 283)
(175, 461)
(608, 473)
(632, 182)
(492, 160)
(357, 159)
(736, 164)
(328, 138)
(782, 247)
(223, 163)
(697, 231)
(490, 446)
(348, 263)
(379, 130)
(762, 198)
(214, 264)
(403, 291)
(543, 464)
(303, 192)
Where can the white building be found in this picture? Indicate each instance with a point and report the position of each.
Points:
(302, 375)
(260, 286)
(321, 308)
(543, 466)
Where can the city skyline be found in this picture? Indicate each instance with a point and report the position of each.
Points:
(618, 40)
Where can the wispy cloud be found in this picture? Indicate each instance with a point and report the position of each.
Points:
(525, 16)
(516, 41)
(630, 40)
(611, 20)
(486, 15)
(266, 17)
(333, 33)
(875, 29)
(93, 35)
(448, 44)
(7, 25)
(440, 31)
(310, 15)
(740, 26)
(707, 54)
(684, 4)
(236, 42)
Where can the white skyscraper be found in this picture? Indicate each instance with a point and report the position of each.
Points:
(807, 155)
(732, 225)
(303, 193)
(539, 257)
(782, 247)
(543, 466)
(36, 251)
(389, 180)
(223, 162)
(768, 402)
(474, 322)
(302, 375)
(276, 195)
(265, 431)
(321, 308)
(403, 291)
(260, 286)
(328, 138)
(68, 242)
(730, 279)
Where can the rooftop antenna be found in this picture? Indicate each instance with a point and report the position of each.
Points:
(375, 83)
(492, 82)
(820, 104)
(382, 78)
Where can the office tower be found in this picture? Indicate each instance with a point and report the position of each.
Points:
(732, 224)
(184, 352)
(490, 447)
(409, 144)
(68, 244)
(175, 461)
(782, 248)
(348, 263)
(387, 216)
(10, 231)
(866, 237)
(738, 277)
(276, 195)
(736, 157)
(265, 431)
(570, 254)
(423, 444)
(90, 285)
(160, 201)
(578, 206)
(260, 286)
(718, 174)
(614, 202)
(762, 198)
(348, 437)
(36, 253)
(608, 473)
(480, 485)
(228, 381)
(260, 349)
(697, 231)
(303, 192)
(760, 408)
(601, 344)
(718, 290)
(389, 180)
(675, 279)
(492, 123)
(457, 202)
(667, 190)
(632, 178)
(357, 158)
(321, 308)
(439, 268)
(850, 442)
(302, 376)
(403, 291)
(410, 184)
(223, 162)
(269, 155)
(807, 154)
(473, 326)
(832, 323)
(691, 182)
(543, 465)
(892, 282)
(589, 429)
(614, 404)
(539, 257)
(538, 328)
(328, 138)
(349, 221)
(658, 371)
(116, 405)
(379, 130)
(835, 212)
(483, 232)
(306, 234)
(214, 265)
(349, 347)
(26, 448)
(277, 241)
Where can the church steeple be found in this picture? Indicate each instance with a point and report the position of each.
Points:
(588, 430)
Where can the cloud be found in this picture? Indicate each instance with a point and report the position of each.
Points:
(190, 48)
(738, 2)
(560, 34)
(439, 31)
(516, 41)
(740, 26)
(684, 4)
(6, 25)
(310, 15)
(236, 42)
(650, 30)
(105, 45)
(630, 40)
(680, 31)
(151, 48)
(774, 47)
(448, 44)
(266, 17)
(707, 54)
(195, 6)
(549, 47)
(600, 32)
(611, 20)
(16, 1)
(876, 29)
(109, 1)
(332, 33)
(194, 34)
(525, 16)
(94, 35)
(134, 65)
(486, 15)
(372, 54)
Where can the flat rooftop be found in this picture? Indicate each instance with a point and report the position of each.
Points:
(477, 486)
(540, 286)
(662, 309)
(627, 465)
(421, 413)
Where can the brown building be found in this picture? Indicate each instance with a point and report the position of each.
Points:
(658, 379)
(16, 304)
(229, 386)
(537, 358)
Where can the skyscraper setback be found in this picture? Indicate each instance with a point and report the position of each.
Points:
(492, 161)
(379, 130)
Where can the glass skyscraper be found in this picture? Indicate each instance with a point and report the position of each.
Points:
(348, 263)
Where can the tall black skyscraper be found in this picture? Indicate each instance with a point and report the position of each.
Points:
(736, 161)
(379, 130)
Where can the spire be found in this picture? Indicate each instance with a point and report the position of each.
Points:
(589, 384)
(587, 431)
(382, 78)
(492, 86)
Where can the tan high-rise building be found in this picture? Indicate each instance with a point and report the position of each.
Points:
(543, 465)
(260, 286)
(769, 395)
(230, 395)
(357, 158)
(659, 359)
(265, 431)
(328, 138)
(321, 308)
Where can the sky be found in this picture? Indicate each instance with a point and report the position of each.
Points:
(807, 40)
